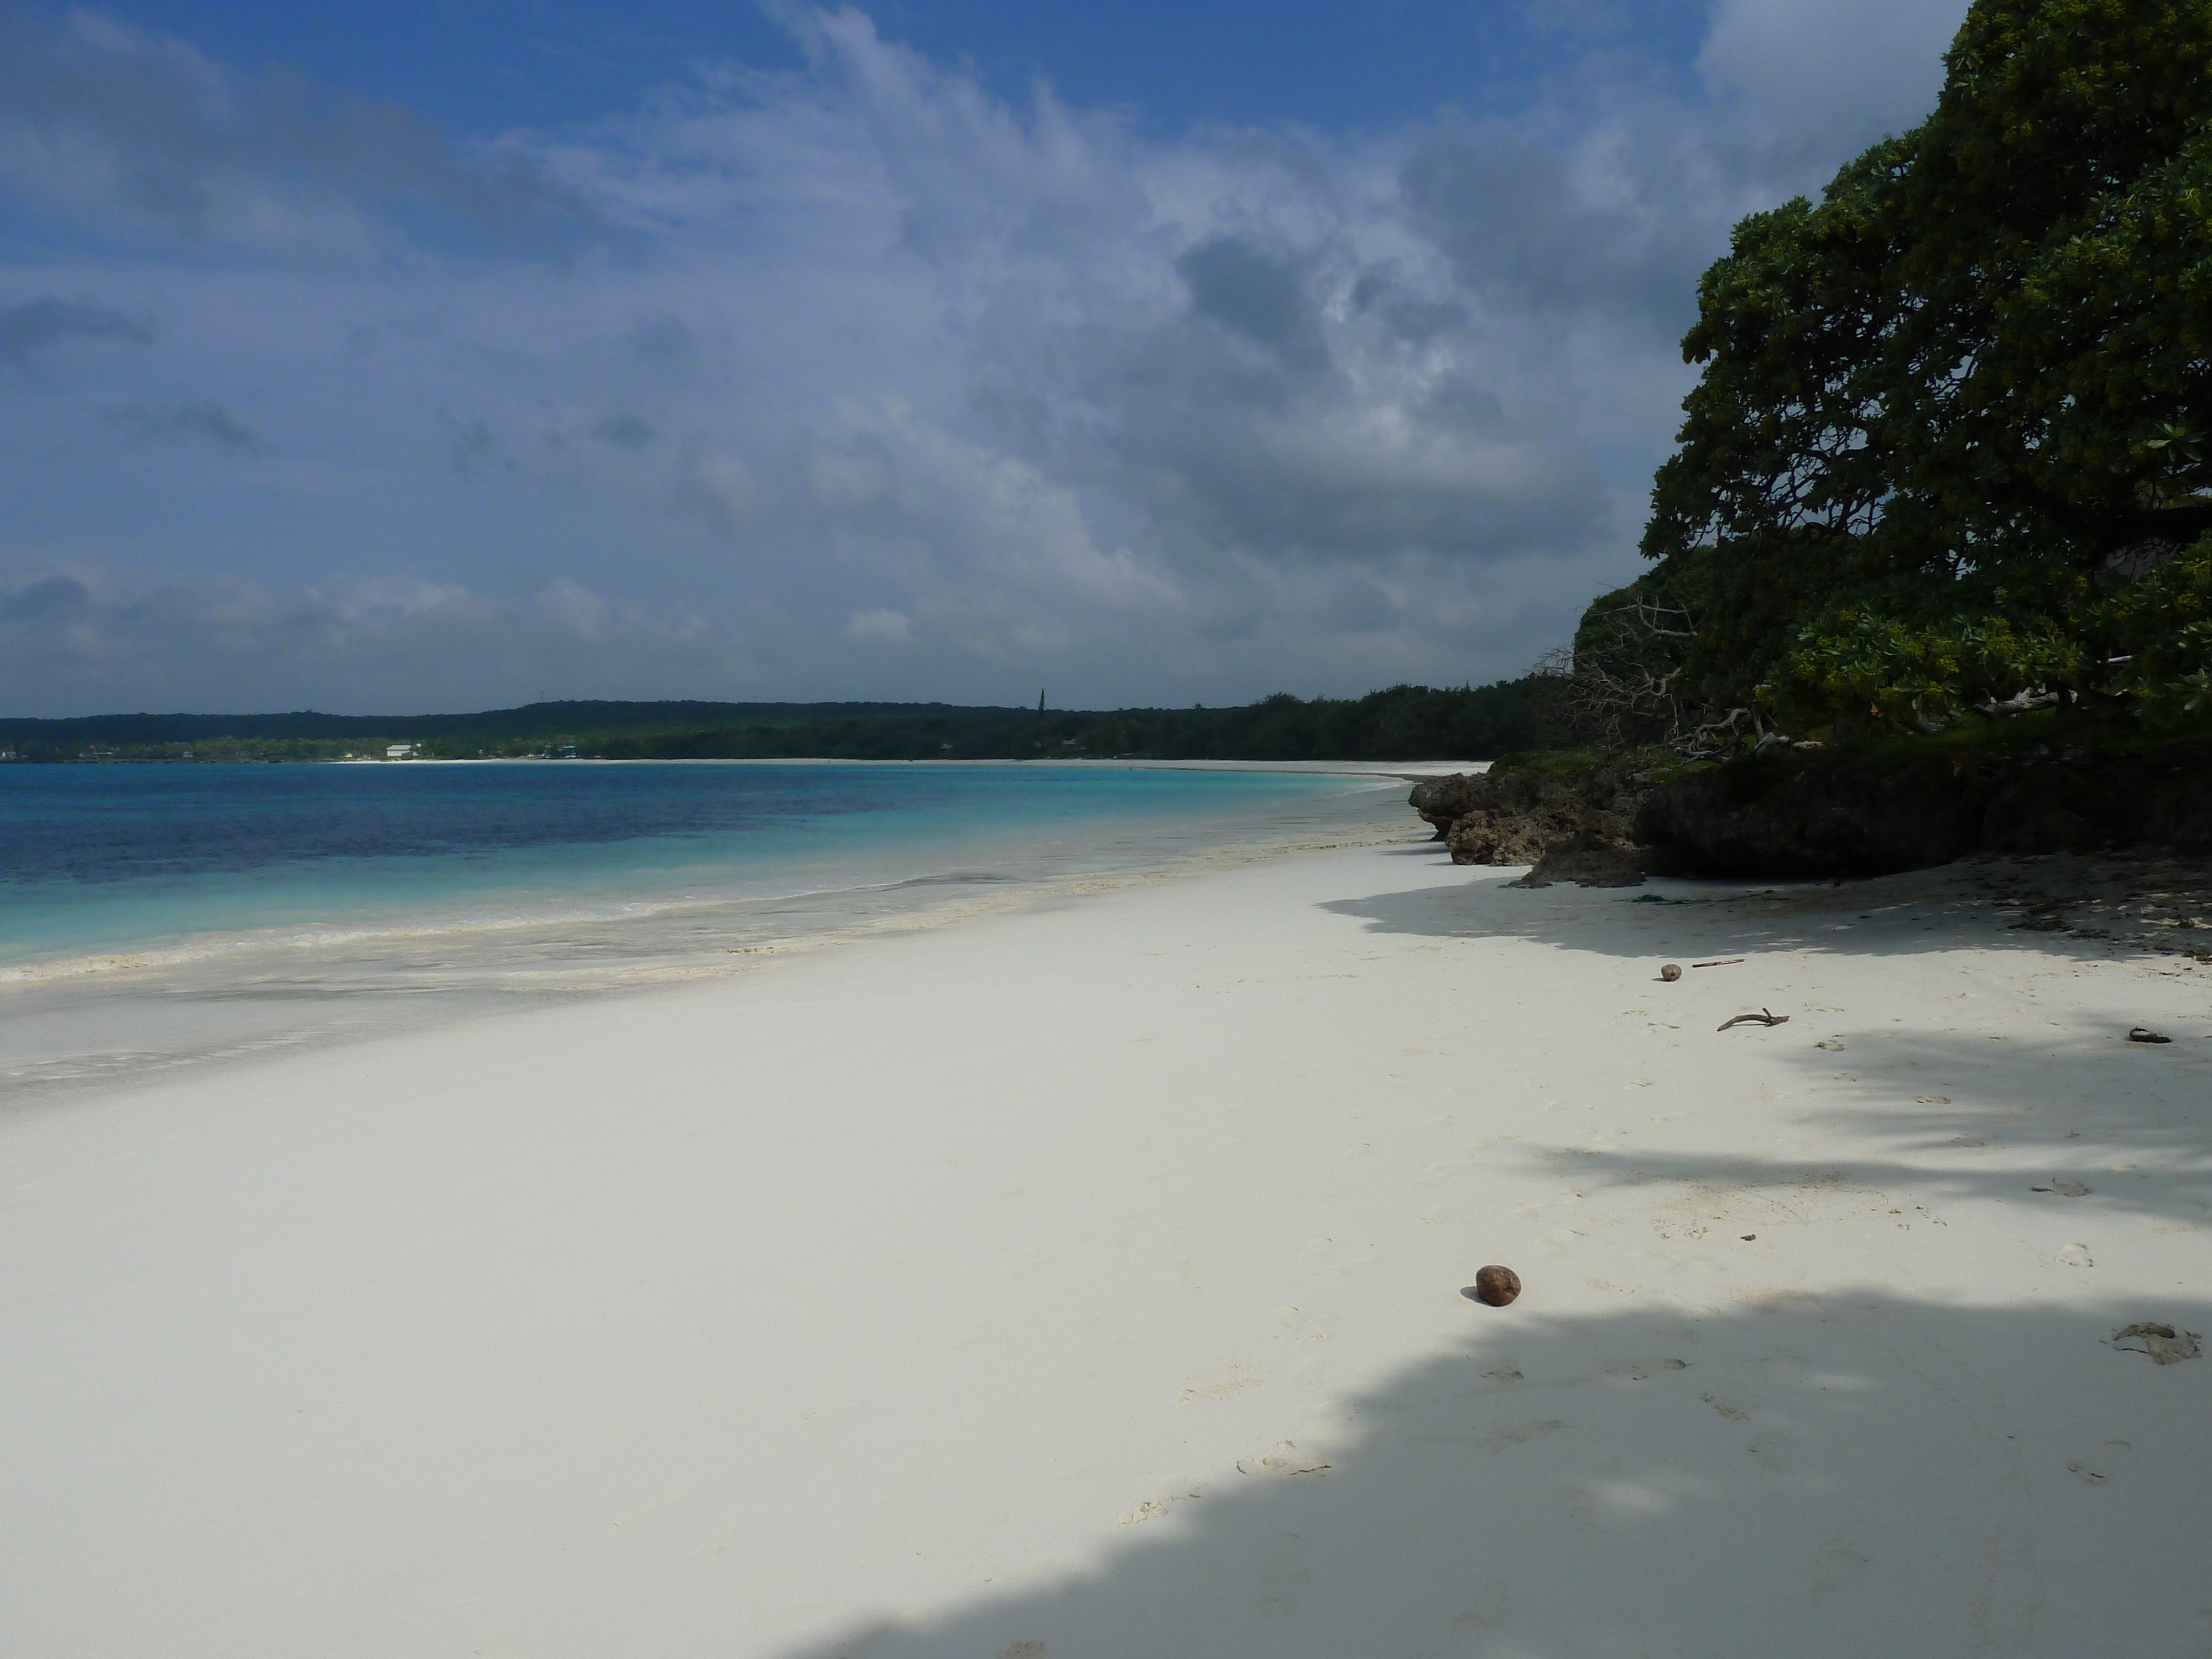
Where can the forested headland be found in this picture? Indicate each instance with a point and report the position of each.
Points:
(1930, 567)
(1947, 456)
(1406, 722)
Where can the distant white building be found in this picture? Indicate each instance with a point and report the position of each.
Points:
(400, 752)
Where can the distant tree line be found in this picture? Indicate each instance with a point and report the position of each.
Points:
(1405, 722)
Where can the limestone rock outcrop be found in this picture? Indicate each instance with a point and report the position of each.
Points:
(1523, 817)
(1443, 801)
(1587, 861)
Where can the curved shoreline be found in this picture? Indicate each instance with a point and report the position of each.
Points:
(69, 1022)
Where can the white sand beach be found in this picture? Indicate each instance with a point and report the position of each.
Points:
(1084, 1282)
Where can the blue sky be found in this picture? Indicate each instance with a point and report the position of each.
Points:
(482, 68)
(424, 356)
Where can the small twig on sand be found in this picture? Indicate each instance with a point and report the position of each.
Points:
(1762, 1018)
(1725, 961)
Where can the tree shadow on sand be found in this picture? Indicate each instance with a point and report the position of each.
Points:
(1859, 1472)
(1956, 1117)
(1856, 1473)
(1959, 1113)
(2059, 906)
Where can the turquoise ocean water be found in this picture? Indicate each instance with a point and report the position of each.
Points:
(152, 915)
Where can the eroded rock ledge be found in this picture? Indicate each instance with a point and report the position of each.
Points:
(1570, 826)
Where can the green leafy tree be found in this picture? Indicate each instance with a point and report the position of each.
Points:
(1948, 417)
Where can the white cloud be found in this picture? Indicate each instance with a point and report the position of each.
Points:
(879, 627)
(1822, 68)
(851, 358)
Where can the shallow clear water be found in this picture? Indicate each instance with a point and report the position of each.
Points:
(116, 858)
(151, 914)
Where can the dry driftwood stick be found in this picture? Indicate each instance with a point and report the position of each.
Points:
(1725, 961)
(1762, 1018)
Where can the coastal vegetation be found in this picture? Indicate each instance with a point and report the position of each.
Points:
(1931, 564)
(1946, 458)
(1405, 722)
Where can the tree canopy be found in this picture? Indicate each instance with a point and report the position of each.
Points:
(1948, 443)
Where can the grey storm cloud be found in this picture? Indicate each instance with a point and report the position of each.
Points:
(472, 444)
(1414, 320)
(182, 422)
(51, 599)
(911, 391)
(31, 327)
(1384, 459)
(664, 339)
(629, 432)
(1506, 212)
(117, 127)
(1260, 297)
